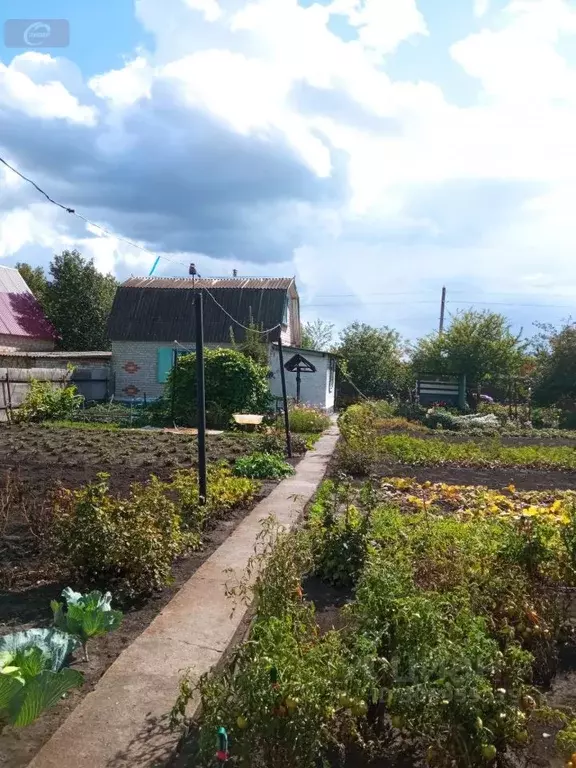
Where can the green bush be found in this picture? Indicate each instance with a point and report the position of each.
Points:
(440, 418)
(225, 493)
(305, 418)
(340, 534)
(128, 542)
(263, 465)
(234, 384)
(47, 401)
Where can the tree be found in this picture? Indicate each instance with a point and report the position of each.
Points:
(317, 334)
(372, 358)
(254, 344)
(35, 279)
(78, 300)
(479, 344)
(555, 357)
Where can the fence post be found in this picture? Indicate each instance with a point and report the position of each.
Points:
(9, 408)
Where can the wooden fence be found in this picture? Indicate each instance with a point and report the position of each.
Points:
(92, 384)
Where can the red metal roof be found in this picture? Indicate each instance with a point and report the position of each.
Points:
(20, 312)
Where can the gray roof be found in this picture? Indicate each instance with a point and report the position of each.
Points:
(162, 309)
(274, 283)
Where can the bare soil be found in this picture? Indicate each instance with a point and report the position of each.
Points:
(44, 457)
(526, 479)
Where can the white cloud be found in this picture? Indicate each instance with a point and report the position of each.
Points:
(123, 87)
(206, 135)
(46, 100)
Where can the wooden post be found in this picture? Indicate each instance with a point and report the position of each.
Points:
(9, 408)
(201, 398)
(173, 387)
(285, 399)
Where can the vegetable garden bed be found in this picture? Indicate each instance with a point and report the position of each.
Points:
(411, 622)
(34, 459)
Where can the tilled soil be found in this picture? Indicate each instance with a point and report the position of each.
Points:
(30, 607)
(44, 457)
(525, 479)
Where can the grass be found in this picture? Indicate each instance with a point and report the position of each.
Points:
(489, 453)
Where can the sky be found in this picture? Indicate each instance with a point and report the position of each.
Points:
(375, 149)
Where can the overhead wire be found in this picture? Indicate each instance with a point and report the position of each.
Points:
(142, 248)
(74, 212)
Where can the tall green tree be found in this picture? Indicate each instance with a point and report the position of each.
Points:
(373, 359)
(479, 344)
(317, 334)
(35, 279)
(78, 301)
(555, 370)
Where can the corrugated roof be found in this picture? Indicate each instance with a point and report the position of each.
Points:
(97, 355)
(151, 310)
(20, 312)
(267, 283)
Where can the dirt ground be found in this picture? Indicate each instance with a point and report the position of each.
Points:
(524, 479)
(43, 457)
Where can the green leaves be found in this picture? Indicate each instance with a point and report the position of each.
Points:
(31, 678)
(26, 702)
(234, 383)
(262, 465)
(56, 646)
(86, 616)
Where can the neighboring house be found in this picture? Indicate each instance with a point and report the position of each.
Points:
(23, 324)
(152, 321)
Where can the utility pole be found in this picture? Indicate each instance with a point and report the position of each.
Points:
(200, 386)
(442, 310)
(284, 398)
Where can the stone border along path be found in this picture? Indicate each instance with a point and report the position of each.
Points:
(123, 721)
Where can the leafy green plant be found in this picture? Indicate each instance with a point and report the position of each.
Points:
(129, 542)
(31, 675)
(435, 451)
(225, 493)
(263, 465)
(235, 383)
(85, 616)
(288, 686)
(305, 418)
(47, 401)
(340, 534)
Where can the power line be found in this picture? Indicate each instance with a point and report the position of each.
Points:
(246, 327)
(84, 219)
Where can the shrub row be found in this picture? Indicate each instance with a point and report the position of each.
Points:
(131, 542)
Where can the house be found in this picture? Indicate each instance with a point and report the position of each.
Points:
(23, 324)
(152, 321)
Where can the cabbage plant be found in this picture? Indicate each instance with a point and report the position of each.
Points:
(31, 674)
(85, 616)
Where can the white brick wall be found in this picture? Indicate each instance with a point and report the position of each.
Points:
(317, 388)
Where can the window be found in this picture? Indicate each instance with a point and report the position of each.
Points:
(285, 318)
(332, 374)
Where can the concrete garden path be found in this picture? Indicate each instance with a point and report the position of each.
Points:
(122, 722)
